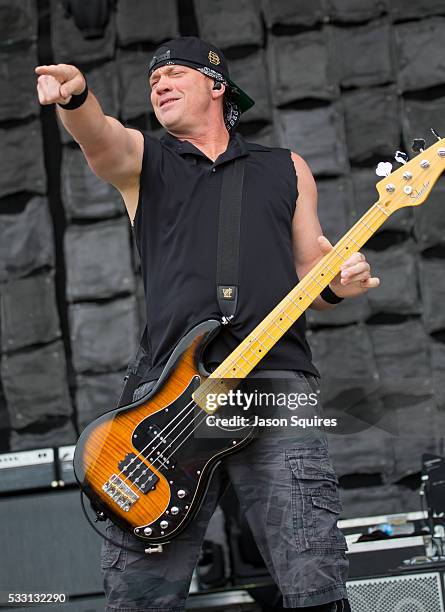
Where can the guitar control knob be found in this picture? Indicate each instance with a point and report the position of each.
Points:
(148, 531)
(181, 493)
(174, 510)
(163, 524)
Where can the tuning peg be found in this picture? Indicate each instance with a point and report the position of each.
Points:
(435, 133)
(401, 157)
(418, 145)
(383, 169)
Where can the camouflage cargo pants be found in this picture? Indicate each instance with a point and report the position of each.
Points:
(288, 491)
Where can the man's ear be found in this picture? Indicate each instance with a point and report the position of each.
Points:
(218, 89)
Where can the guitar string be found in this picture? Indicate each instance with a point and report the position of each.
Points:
(163, 439)
(160, 459)
(204, 417)
(188, 436)
(370, 220)
(179, 445)
(158, 435)
(235, 358)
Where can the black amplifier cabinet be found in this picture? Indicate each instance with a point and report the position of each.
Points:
(27, 470)
(47, 546)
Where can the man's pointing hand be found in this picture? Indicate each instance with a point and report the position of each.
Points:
(57, 83)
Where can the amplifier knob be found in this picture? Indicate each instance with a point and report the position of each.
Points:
(174, 510)
(148, 531)
(163, 524)
(181, 493)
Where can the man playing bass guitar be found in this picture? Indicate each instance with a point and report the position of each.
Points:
(285, 482)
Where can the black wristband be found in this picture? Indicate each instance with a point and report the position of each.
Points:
(330, 297)
(76, 99)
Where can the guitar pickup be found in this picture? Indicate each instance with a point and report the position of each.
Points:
(137, 472)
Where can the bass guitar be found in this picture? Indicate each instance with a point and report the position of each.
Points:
(144, 465)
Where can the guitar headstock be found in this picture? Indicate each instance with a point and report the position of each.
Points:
(410, 185)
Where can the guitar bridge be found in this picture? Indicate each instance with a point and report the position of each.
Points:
(120, 492)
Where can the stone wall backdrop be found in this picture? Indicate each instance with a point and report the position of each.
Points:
(345, 83)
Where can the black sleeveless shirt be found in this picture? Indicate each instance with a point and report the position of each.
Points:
(176, 229)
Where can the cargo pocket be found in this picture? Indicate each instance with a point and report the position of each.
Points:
(316, 504)
(112, 556)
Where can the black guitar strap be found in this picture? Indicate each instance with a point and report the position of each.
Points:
(227, 264)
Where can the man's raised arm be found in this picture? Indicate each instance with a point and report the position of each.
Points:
(113, 152)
